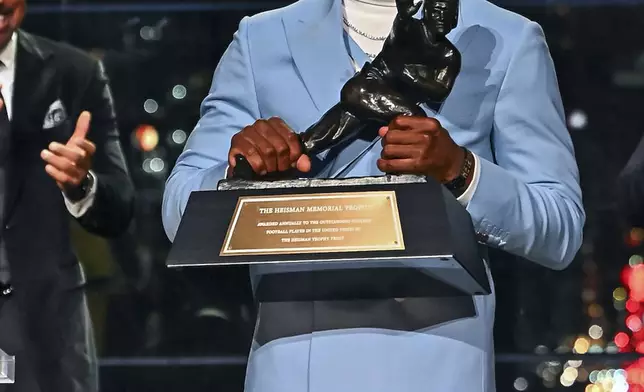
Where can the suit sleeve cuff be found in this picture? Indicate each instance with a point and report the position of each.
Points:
(79, 208)
(465, 198)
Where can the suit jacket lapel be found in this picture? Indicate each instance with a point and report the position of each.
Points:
(33, 80)
(315, 39)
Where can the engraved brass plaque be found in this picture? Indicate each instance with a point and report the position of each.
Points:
(314, 223)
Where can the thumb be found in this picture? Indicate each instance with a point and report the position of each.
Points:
(82, 126)
(383, 131)
(303, 164)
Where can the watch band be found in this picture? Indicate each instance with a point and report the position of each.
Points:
(459, 185)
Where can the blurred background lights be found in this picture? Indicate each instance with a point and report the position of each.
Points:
(592, 377)
(635, 375)
(621, 340)
(568, 377)
(549, 373)
(636, 283)
(179, 92)
(611, 348)
(609, 380)
(575, 364)
(619, 294)
(595, 311)
(634, 323)
(588, 295)
(635, 260)
(153, 165)
(639, 347)
(520, 384)
(541, 349)
(157, 165)
(620, 383)
(619, 305)
(636, 236)
(147, 33)
(581, 345)
(595, 349)
(577, 119)
(601, 376)
(595, 332)
(179, 136)
(150, 106)
(155, 32)
(146, 137)
(146, 165)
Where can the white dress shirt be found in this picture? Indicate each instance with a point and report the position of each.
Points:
(7, 79)
(375, 18)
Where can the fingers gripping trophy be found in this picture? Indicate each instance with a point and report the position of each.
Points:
(417, 65)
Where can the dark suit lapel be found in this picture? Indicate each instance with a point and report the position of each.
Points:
(315, 39)
(33, 79)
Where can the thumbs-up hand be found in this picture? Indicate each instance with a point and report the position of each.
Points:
(69, 164)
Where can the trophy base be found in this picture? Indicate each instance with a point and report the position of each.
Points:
(335, 280)
(336, 239)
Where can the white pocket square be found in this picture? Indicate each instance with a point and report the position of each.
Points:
(55, 115)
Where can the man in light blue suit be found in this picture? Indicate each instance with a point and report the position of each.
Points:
(523, 194)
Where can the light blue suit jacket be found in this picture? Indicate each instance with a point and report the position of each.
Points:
(505, 107)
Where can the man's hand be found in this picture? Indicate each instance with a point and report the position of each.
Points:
(269, 146)
(69, 164)
(419, 145)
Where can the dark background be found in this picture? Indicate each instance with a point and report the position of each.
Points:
(163, 330)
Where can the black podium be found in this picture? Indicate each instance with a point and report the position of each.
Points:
(345, 239)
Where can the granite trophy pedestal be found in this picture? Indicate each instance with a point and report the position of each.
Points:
(335, 239)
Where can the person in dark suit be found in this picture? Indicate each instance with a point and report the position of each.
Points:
(630, 193)
(60, 159)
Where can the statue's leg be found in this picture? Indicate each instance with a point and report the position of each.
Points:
(365, 98)
(372, 99)
(335, 126)
(427, 89)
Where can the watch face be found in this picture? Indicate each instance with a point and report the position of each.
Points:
(456, 183)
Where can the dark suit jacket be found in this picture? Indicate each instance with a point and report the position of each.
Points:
(36, 220)
(631, 188)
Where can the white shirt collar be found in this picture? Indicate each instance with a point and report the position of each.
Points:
(8, 54)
